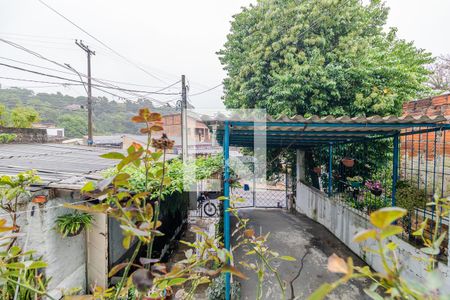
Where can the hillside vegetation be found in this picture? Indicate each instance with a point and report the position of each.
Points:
(70, 112)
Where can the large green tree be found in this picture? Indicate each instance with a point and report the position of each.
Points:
(320, 57)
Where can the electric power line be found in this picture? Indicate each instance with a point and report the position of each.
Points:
(73, 80)
(205, 91)
(99, 41)
(93, 78)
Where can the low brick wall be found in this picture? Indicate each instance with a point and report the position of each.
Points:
(26, 135)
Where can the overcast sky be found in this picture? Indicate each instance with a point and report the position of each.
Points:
(166, 37)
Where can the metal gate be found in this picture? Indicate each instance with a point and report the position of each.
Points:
(261, 197)
(255, 194)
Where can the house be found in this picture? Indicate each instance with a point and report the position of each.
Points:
(427, 154)
(53, 132)
(75, 261)
(84, 260)
(197, 131)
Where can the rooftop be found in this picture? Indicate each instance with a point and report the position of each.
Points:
(59, 166)
(301, 132)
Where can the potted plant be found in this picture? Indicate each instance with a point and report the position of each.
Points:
(374, 187)
(348, 162)
(355, 181)
(72, 224)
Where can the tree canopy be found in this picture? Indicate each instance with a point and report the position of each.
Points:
(320, 57)
(19, 116)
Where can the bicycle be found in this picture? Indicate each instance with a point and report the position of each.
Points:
(203, 201)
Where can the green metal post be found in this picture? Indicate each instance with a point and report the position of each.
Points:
(395, 169)
(226, 203)
(330, 169)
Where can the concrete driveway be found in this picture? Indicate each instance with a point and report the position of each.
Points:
(297, 236)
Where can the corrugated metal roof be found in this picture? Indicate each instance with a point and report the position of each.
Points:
(309, 131)
(58, 165)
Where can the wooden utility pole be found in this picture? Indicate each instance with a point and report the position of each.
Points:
(184, 123)
(89, 52)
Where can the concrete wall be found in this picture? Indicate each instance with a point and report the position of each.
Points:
(26, 135)
(66, 257)
(344, 222)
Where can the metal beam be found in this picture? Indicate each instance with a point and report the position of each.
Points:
(226, 203)
(330, 169)
(357, 125)
(395, 170)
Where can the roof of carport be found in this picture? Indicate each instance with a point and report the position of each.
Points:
(298, 131)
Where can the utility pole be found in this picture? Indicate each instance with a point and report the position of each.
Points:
(184, 123)
(89, 52)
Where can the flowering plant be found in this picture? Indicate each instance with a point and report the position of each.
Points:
(373, 185)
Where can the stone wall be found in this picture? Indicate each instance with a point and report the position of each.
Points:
(26, 135)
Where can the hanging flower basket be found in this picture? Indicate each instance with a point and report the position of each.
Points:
(355, 181)
(40, 199)
(376, 192)
(317, 170)
(77, 232)
(348, 162)
(374, 187)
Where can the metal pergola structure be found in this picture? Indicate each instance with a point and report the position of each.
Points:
(306, 133)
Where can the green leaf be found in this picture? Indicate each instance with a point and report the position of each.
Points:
(287, 258)
(384, 217)
(176, 281)
(38, 265)
(364, 235)
(88, 187)
(321, 292)
(113, 155)
(390, 231)
(430, 251)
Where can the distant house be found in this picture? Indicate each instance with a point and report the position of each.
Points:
(197, 131)
(74, 107)
(53, 132)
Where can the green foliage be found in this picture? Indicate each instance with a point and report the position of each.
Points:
(19, 266)
(391, 283)
(24, 117)
(216, 289)
(3, 115)
(320, 57)
(409, 196)
(19, 271)
(6, 138)
(75, 124)
(208, 166)
(110, 116)
(19, 116)
(72, 224)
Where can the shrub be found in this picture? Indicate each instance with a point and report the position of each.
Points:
(409, 196)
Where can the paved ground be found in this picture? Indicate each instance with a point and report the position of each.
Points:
(297, 235)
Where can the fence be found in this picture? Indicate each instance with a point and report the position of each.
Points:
(362, 177)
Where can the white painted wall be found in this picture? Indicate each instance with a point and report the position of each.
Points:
(344, 222)
(66, 257)
(55, 131)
